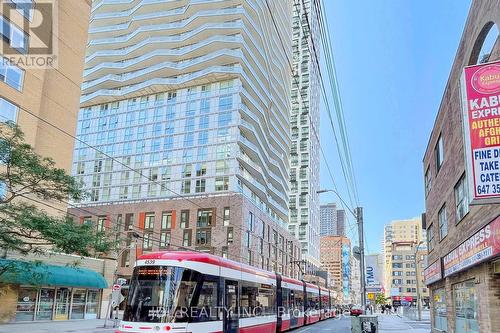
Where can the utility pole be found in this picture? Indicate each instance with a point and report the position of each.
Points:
(359, 219)
(417, 276)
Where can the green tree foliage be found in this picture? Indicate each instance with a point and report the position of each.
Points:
(31, 181)
(380, 299)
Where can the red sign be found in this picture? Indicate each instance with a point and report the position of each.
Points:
(408, 298)
(433, 273)
(483, 245)
(116, 287)
(481, 93)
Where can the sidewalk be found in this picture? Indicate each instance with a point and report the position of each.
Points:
(395, 323)
(80, 326)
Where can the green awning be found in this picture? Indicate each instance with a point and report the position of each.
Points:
(40, 274)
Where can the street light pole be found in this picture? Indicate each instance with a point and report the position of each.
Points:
(419, 304)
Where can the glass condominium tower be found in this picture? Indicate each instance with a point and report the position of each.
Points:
(304, 122)
(187, 98)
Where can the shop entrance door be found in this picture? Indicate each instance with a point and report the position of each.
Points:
(45, 304)
(62, 304)
(466, 316)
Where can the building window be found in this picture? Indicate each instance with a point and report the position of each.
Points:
(439, 153)
(186, 187)
(165, 238)
(462, 206)
(8, 111)
(184, 219)
(230, 236)
(224, 252)
(222, 183)
(443, 223)
(200, 185)
(428, 181)
(226, 217)
(11, 74)
(201, 170)
(203, 237)
(147, 241)
(430, 238)
(204, 218)
(125, 262)
(149, 221)
(101, 223)
(186, 238)
(14, 36)
(166, 220)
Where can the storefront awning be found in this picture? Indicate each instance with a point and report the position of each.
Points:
(40, 274)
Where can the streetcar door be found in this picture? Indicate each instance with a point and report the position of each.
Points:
(231, 317)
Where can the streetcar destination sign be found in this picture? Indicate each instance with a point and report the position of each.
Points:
(481, 113)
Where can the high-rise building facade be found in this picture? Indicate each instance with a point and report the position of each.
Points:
(336, 259)
(304, 121)
(188, 101)
(332, 220)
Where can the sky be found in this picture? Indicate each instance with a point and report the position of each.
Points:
(393, 58)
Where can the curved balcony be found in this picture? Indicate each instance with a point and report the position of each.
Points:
(166, 69)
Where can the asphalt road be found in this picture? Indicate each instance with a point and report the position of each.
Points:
(342, 325)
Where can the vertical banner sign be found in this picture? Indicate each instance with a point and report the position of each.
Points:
(481, 108)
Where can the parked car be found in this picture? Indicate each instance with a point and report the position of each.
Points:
(356, 310)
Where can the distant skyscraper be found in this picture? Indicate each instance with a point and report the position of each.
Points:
(332, 220)
(304, 121)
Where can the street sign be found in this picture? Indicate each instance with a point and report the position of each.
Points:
(371, 296)
(117, 287)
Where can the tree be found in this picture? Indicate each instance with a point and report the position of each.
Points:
(30, 180)
(380, 299)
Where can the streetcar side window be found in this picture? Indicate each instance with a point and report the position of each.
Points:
(298, 299)
(248, 300)
(256, 299)
(285, 300)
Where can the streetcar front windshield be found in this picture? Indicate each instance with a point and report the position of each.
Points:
(171, 294)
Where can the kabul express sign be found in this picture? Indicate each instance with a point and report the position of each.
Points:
(481, 112)
(483, 245)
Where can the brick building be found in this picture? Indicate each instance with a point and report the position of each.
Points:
(336, 260)
(465, 299)
(229, 226)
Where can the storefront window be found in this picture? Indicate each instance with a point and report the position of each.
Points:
(45, 304)
(78, 305)
(93, 299)
(62, 304)
(440, 321)
(26, 301)
(465, 299)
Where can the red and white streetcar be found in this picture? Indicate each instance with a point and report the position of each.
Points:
(184, 291)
